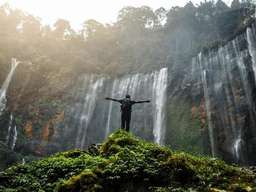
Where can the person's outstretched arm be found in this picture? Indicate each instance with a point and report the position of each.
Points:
(146, 101)
(111, 99)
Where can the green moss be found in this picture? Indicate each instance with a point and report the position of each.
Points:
(126, 163)
(86, 181)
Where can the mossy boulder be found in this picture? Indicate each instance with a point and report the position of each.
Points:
(126, 163)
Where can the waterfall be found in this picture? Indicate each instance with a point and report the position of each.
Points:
(204, 80)
(6, 83)
(237, 148)
(227, 78)
(88, 107)
(11, 137)
(110, 108)
(252, 46)
(12, 134)
(9, 130)
(120, 88)
(208, 111)
(15, 134)
(145, 86)
(94, 118)
(220, 88)
(159, 99)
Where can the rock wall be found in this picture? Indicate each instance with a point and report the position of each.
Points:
(226, 76)
(209, 105)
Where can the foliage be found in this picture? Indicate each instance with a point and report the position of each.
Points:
(126, 162)
(138, 34)
(140, 40)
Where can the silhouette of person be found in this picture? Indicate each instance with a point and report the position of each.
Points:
(126, 110)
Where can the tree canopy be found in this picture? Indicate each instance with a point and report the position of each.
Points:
(140, 39)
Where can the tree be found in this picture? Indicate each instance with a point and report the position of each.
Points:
(206, 9)
(235, 4)
(62, 29)
(92, 28)
(221, 6)
(137, 19)
(31, 26)
(161, 16)
(185, 16)
(10, 19)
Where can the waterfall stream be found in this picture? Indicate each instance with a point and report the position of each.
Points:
(88, 108)
(237, 147)
(5, 85)
(228, 83)
(250, 32)
(9, 129)
(160, 99)
(146, 86)
(110, 108)
(14, 139)
(94, 118)
(12, 133)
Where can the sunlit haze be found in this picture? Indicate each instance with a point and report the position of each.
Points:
(77, 11)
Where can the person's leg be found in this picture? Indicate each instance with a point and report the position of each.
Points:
(128, 120)
(122, 121)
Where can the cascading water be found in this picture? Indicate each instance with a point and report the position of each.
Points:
(237, 148)
(227, 76)
(119, 89)
(250, 32)
(9, 129)
(110, 108)
(88, 108)
(6, 83)
(208, 111)
(128, 84)
(143, 86)
(12, 134)
(159, 98)
(98, 117)
(14, 139)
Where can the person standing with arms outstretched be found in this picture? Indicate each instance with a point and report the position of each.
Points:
(126, 110)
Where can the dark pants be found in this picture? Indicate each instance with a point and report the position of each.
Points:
(126, 119)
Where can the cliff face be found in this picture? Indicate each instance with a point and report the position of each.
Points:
(55, 112)
(125, 163)
(213, 106)
(227, 77)
(206, 106)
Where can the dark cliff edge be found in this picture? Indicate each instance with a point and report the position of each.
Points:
(126, 163)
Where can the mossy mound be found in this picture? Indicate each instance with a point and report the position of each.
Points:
(126, 163)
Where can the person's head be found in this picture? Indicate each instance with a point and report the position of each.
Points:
(127, 96)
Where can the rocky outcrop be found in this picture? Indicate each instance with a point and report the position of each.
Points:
(126, 163)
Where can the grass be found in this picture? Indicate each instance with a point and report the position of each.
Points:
(126, 163)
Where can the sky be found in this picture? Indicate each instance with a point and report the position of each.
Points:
(77, 11)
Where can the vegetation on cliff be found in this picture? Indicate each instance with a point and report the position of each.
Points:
(126, 163)
(142, 39)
